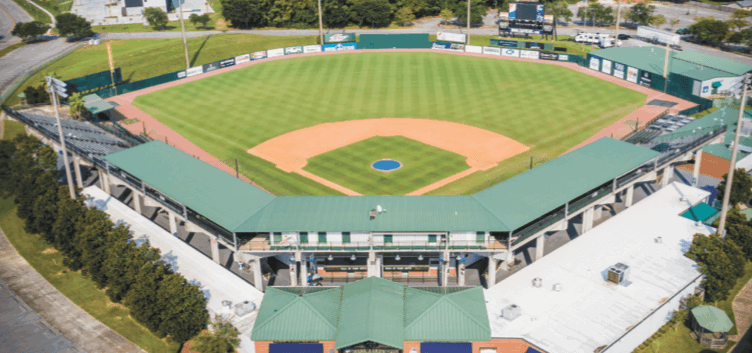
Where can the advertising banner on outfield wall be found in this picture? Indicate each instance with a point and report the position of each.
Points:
(632, 74)
(275, 52)
(563, 57)
(227, 63)
(312, 49)
(473, 49)
(492, 50)
(339, 38)
(549, 56)
(451, 37)
(619, 70)
(510, 52)
(242, 58)
(532, 45)
(645, 79)
(211, 66)
(529, 54)
(448, 46)
(294, 50)
(198, 70)
(340, 46)
(504, 43)
(258, 55)
(182, 74)
(606, 66)
(595, 63)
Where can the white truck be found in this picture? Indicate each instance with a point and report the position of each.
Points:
(603, 40)
(655, 35)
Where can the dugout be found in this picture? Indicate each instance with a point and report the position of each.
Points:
(395, 41)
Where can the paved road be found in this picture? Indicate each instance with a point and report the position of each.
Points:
(10, 14)
(26, 58)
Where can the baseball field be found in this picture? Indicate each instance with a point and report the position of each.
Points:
(519, 109)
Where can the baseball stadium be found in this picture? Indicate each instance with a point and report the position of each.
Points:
(392, 170)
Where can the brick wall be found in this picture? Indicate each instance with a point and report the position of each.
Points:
(501, 346)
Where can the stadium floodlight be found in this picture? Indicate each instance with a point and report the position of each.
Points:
(330, 258)
(53, 85)
(353, 257)
(396, 258)
(420, 257)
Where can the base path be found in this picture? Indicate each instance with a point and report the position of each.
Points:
(65, 316)
(484, 149)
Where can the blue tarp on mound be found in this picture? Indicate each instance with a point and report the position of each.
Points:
(446, 347)
(296, 348)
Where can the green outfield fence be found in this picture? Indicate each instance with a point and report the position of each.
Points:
(138, 85)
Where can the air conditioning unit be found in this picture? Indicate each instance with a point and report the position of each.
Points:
(511, 312)
(537, 282)
(618, 273)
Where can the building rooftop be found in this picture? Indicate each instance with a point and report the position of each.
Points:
(722, 116)
(588, 312)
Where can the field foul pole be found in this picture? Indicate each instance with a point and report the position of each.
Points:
(182, 31)
(732, 164)
(321, 26)
(468, 22)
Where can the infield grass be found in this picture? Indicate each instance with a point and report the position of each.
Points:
(546, 107)
(350, 166)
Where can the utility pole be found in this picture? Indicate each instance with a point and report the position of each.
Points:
(468, 22)
(182, 31)
(53, 96)
(665, 69)
(618, 19)
(321, 25)
(732, 165)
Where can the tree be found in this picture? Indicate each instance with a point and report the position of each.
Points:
(658, 20)
(447, 15)
(374, 13)
(560, 10)
(202, 19)
(29, 30)
(72, 25)
(141, 298)
(722, 262)
(69, 211)
(693, 301)
(76, 106)
(245, 13)
(123, 263)
(738, 19)
(741, 187)
(156, 17)
(224, 340)
(709, 30)
(641, 13)
(477, 11)
(36, 94)
(336, 13)
(673, 22)
(183, 308)
(741, 234)
(404, 16)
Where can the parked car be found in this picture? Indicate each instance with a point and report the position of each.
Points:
(624, 36)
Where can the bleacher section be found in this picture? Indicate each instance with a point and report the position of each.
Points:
(86, 138)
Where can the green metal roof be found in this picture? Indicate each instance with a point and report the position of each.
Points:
(715, 62)
(712, 318)
(701, 212)
(351, 213)
(372, 309)
(722, 150)
(723, 116)
(427, 314)
(527, 196)
(687, 63)
(96, 105)
(224, 199)
(315, 316)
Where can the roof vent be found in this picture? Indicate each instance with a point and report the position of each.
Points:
(511, 312)
(537, 282)
(618, 273)
(557, 287)
(373, 214)
(659, 240)
(244, 308)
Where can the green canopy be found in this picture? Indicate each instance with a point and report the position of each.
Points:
(96, 105)
(701, 212)
(712, 318)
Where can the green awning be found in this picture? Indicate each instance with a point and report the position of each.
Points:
(712, 318)
(701, 212)
(96, 105)
(716, 84)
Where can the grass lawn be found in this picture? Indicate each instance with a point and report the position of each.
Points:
(79, 289)
(350, 166)
(11, 128)
(34, 11)
(547, 107)
(144, 58)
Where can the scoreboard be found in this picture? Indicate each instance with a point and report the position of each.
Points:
(526, 17)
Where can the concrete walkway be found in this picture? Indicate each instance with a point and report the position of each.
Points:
(57, 310)
(743, 314)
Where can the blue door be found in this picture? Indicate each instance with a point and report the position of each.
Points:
(296, 348)
(446, 347)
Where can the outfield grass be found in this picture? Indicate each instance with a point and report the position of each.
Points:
(11, 128)
(350, 166)
(546, 107)
(144, 58)
(79, 289)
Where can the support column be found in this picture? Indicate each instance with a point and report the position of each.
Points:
(509, 261)
(173, 221)
(257, 278)
(630, 196)
(379, 269)
(587, 220)
(303, 271)
(371, 265)
(668, 173)
(215, 250)
(77, 169)
(492, 264)
(539, 247)
(598, 211)
(445, 269)
(293, 273)
(104, 180)
(461, 273)
(696, 172)
(137, 204)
